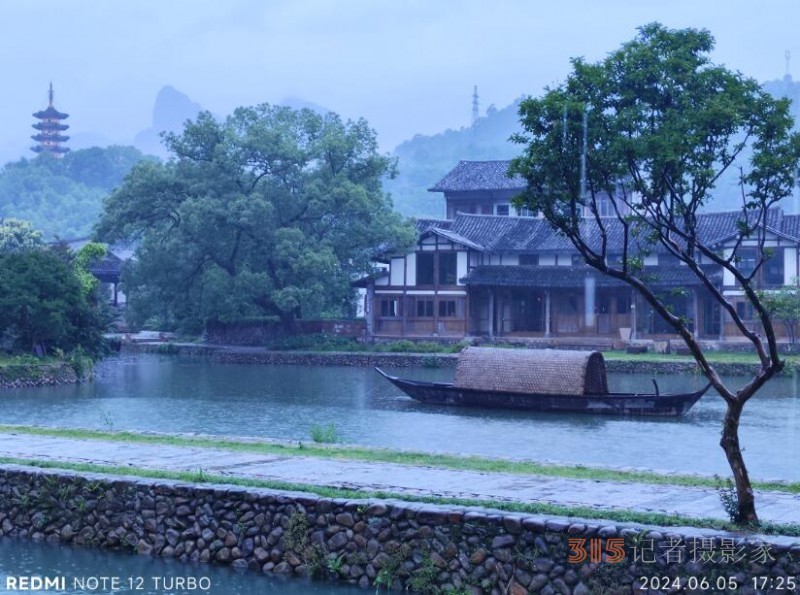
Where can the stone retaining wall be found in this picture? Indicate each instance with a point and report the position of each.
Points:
(25, 376)
(381, 543)
(433, 360)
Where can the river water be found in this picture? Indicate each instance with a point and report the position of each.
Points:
(81, 570)
(169, 394)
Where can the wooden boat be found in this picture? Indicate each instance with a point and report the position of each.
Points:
(541, 380)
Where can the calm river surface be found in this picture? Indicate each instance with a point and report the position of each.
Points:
(168, 394)
(83, 571)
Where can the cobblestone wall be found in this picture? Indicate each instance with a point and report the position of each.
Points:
(384, 543)
(22, 376)
(437, 360)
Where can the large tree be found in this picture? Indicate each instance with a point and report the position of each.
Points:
(44, 307)
(270, 212)
(655, 125)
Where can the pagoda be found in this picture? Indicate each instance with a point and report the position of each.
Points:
(50, 128)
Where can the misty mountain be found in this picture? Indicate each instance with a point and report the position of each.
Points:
(424, 160)
(171, 111)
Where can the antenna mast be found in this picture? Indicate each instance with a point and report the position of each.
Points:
(788, 56)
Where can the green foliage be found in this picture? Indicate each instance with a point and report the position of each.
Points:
(271, 212)
(728, 498)
(423, 579)
(18, 236)
(783, 304)
(325, 434)
(63, 197)
(43, 305)
(316, 342)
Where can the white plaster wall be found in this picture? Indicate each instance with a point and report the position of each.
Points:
(727, 276)
(396, 271)
(651, 260)
(789, 265)
(547, 260)
(411, 269)
(461, 266)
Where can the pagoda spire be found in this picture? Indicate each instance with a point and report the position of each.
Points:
(50, 127)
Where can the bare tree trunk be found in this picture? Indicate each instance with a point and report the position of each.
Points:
(733, 452)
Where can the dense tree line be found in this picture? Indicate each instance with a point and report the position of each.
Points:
(63, 197)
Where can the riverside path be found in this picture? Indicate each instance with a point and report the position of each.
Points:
(408, 480)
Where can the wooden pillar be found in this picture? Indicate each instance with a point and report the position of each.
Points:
(491, 313)
(547, 313)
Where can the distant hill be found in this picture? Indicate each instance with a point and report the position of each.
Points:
(424, 160)
(63, 197)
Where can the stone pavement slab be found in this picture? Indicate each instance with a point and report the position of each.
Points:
(782, 507)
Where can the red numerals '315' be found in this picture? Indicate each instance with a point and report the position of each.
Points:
(614, 550)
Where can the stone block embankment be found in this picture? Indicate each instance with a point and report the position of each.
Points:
(32, 375)
(235, 355)
(381, 543)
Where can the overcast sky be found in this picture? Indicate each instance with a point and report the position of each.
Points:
(407, 66)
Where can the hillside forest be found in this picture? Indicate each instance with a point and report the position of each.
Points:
(63, 198)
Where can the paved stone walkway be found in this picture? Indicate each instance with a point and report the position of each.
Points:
(401, 479)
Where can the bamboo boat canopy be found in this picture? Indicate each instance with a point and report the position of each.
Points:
(536, 371)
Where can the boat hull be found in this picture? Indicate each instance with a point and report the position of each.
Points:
(652, 404)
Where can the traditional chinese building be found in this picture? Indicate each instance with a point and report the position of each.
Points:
(50, 127)
(507, 275)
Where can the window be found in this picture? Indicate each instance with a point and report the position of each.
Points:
(447, 308)
(486, 209)
(448, 265)
(746, 261)
(425, 268)
(390, 307)
(526, 212)
(439, 268)
(502, 210)
(577, 260)
(605, 206)
(424, 308)
(773, 268)
(745, 310)
(529, 259)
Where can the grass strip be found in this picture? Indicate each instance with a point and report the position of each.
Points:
(378, 455)
(578, 512)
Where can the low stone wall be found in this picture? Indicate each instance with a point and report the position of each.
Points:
(432, 360)
(32, 375)
(384, 543)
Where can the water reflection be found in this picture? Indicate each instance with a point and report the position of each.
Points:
(87, 571)
(164, 394)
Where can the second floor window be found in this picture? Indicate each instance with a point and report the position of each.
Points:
(439, 268)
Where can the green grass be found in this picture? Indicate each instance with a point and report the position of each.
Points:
(444, 461)
(624, 516)
(26, 360)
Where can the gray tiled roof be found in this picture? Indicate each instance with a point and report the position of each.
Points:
(528, 235)
(479, 175)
